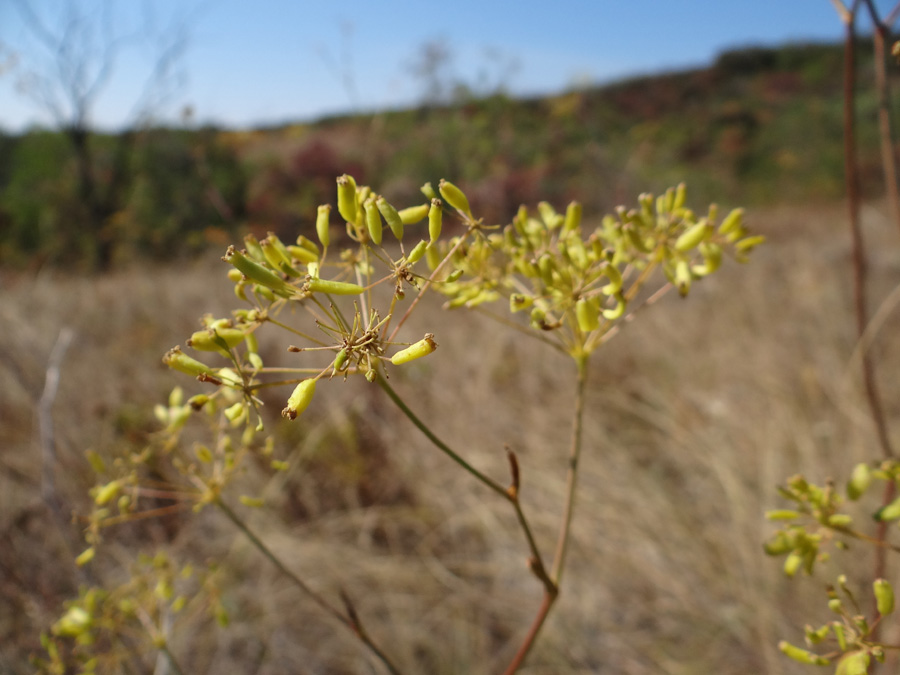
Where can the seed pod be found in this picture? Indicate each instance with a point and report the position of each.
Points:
(346, 198)
(308, 244)
(391, 217)
(573, 217)
(792, 563)
(340, 362)
(300, 399)
(302, 254)
(712, 259)
(85, 557)
(178, 360)
(216, 340)
(418, 251)
(252, 502)
(75, 622)
(413, 214)
(683, 277)
(435, 219)
(251, 243)
(802, 655)
(373, 221)
(277, 258)
(333, 287)
(433, 257)
(884, 596)
(854, 663)
(680, 197)
(428, 191)
(859, 482)
(817, 635)
(749, 243)
(889, 512)
(733, 222)
(779, 544)
(323, 217)
(548, 213)
(782, 514)
(635, 239)
(107, 493)
(415, 351)
(840, 520)
(256, 272)
(587, 312)
(617, 311)
(518, 302)
(612, 273)
(691, 237)
(454, 197)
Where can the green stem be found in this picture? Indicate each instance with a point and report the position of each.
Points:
(443, 447)
(559, 557)
(352, 623)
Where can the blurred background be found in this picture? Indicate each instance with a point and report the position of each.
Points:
(137, 140)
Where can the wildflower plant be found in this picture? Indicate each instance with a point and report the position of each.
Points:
(342, 303)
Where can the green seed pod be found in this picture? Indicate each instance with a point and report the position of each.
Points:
(712, 259)
(435, 219)
(587, 312)
(683, 277)
(258, 273)
(793, 563)
(216, 340)
(309, 244)
(616, 312)
(680, 197)
(251, 243)
(802, 655)
(178, 360)
(106, 493)
(85, 557)
(836, 606)
(252, 502)
(74, 623)
(573, 217)
(518, 302)
(373, 221)
(854, 663)
(612, 273)
(453, 276)
(817, 635)
(433, 257)
(413, 214)
(548, 213)
(428, 191)
(782, 514)
(323, 218)
(778, 544)
(636, 240)
(346, 198)
(418, 251)
(340, 362)
(749, 243)
(733, 222)
(840, 520)
(278, 259)
(333, 287)
(839, 633)
(415, 351)
(454, 197)
(302, 254)
(391, 217)
(691, 237)
(889, 512)
(859, 482)
(300, 399)
(884, 596)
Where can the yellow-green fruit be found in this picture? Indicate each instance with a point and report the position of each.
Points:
(884, 596)
(435, 219)
(418, 251)
(859, 481)
(733, 222)
(214, 340)
(854, 663)
(178, 360)
(256, 272)
(454, 197)
(889, 512)
(333, 287)
(323, 218)
(587, 312)
(415, 351)
(573, 217)
(692, 236)
(251, 243)
(302, 254)
(802, 655)
(346, 198)
(428, 191)
(391, 217)
(413, 214)
(300, 399)
(373, 221)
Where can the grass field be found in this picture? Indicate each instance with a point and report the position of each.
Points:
(697, 411)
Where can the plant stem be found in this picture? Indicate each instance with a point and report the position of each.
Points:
(350, 622)
(551, 592)
(559, 557)
(173, 663)
(443, 447)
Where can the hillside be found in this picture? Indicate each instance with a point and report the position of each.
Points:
(758, 126)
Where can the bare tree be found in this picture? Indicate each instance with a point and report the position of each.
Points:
(75, 47)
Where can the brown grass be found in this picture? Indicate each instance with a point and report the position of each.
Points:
(696, 411)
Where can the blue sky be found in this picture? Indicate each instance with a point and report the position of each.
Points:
(270, 61)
